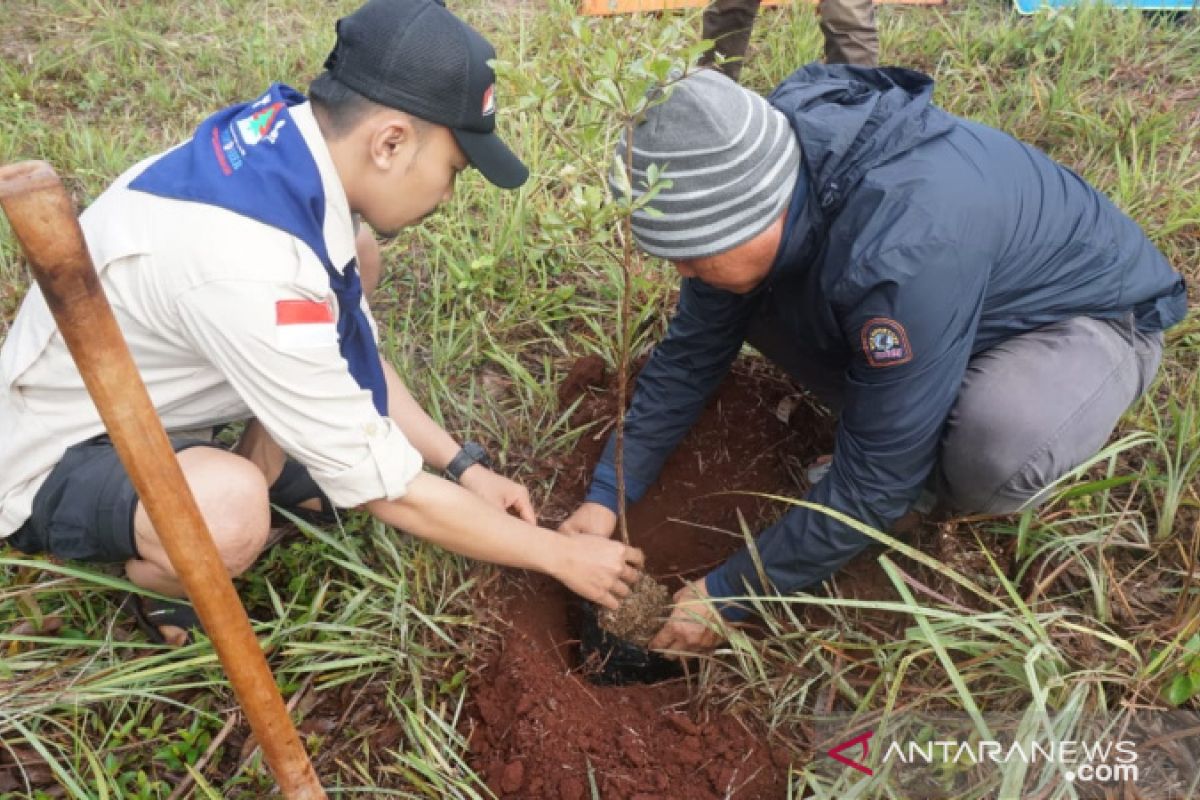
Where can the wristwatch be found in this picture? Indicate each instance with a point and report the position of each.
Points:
(472, 453)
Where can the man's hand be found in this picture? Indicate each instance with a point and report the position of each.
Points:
(690, 628)
(590, 518)
(446, 514)
(499, 491)
(596, 568)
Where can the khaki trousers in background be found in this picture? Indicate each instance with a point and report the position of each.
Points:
(848, 25)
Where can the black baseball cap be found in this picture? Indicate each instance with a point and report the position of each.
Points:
(417, 57)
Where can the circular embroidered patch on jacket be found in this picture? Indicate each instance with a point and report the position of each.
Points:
(885, 343)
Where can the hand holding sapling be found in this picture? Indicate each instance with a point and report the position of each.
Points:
(694, 625)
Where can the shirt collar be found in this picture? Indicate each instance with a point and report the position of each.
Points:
(339, 223)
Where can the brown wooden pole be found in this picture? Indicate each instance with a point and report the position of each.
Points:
(43, 218)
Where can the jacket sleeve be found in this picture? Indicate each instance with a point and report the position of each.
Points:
(910, 335)
(703, 339)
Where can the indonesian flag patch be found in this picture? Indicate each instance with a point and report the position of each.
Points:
(303, 324)
(885, 343)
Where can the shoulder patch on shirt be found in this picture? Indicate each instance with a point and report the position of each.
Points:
(885, 343)
(301, 324)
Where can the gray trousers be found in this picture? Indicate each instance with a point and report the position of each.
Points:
(1033, 408)
(848, 25)
(1029, 410)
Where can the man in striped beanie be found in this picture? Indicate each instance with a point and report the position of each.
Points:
(977, 315)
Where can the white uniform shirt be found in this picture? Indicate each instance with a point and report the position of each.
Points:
(206, 299)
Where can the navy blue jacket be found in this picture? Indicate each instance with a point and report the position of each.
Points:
(915, 240)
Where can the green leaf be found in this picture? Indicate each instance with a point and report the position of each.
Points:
(1179, 691)
(1094, 487)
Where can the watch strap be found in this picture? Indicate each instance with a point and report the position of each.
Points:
(472, 453)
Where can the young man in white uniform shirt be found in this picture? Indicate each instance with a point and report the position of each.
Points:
(232, 266)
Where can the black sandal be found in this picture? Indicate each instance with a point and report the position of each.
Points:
(295, 486)
(152, 614)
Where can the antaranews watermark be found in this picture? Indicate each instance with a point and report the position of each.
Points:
(1081, 760)
(1146, 754)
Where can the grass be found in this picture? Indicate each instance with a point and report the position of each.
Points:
(1083, 607)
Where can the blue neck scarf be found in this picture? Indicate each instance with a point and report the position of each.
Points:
(251, 159)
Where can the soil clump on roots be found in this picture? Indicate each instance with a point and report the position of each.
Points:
(641, 614)
(537, 728)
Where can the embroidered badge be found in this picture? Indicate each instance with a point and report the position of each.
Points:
(885, 343)
(229, 155)
(489, 101)
(301, 324)
(262, 124)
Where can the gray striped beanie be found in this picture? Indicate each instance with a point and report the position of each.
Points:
(732, 160)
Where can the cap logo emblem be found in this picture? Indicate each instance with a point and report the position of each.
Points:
(489, 101)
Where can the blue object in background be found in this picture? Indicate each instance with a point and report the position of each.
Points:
(1030, 6)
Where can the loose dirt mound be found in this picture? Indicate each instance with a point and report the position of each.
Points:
(538, 729)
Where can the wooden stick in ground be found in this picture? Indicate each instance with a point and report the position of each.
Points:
(43, 218)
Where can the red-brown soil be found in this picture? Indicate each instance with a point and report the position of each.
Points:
(538, 729)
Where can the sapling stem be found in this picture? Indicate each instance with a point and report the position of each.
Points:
(627, 256)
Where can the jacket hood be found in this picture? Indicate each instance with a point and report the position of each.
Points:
(850, 119)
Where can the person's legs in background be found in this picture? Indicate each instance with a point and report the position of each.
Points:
(729, 23)
(851, 36)
(849, 28)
